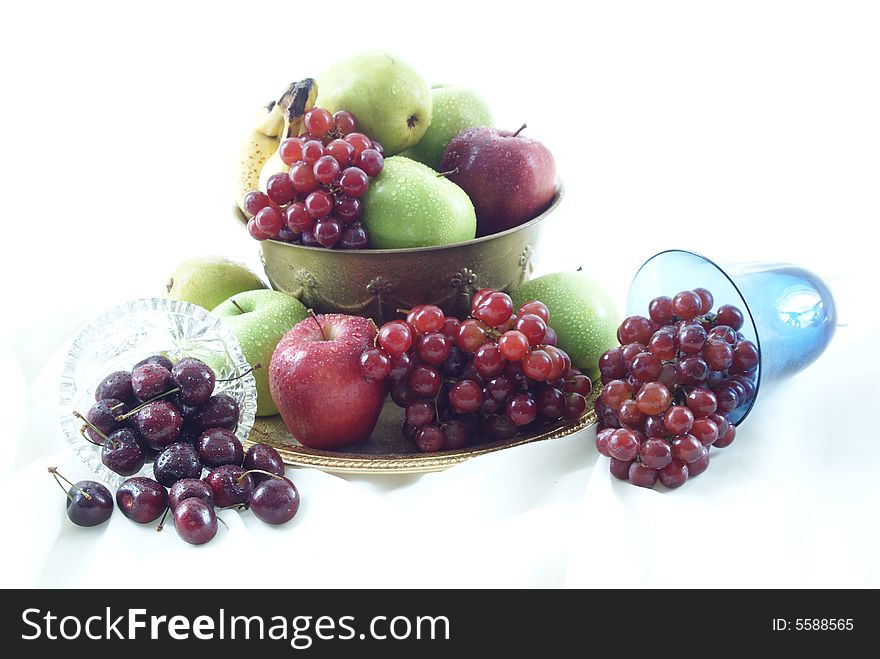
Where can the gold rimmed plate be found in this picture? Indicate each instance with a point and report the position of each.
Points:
(388, 452)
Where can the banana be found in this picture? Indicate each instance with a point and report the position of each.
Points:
(275, 122)
(302, 100)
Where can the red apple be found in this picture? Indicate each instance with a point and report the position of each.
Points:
(315, 380)
(509, 177)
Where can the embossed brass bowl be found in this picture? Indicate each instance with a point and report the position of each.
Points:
(378, 282)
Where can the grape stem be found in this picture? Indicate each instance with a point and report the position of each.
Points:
(241, 375)
(113, 443)
(130, 413)
(56, 476)
(520, 129)
(162, 521)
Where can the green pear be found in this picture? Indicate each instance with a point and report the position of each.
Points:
(208, 280)
(259, 319)
(389, 100)
(410, 205)
(453, 109)
(581, 312)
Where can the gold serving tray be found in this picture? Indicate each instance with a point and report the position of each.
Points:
(388, 452)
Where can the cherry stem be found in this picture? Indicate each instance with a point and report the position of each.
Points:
(56, 476)
(113, 442)
(237, 305)
(123, 417)
(520, 129)
(258, 471)
(236, 506)
(314, 317)
(162, 521)
(448, 173)
(220, 519)
(117, 406)
(241, 375)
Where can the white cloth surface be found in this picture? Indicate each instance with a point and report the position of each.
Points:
(745, 131)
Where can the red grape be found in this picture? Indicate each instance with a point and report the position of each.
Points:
(653, 398)
(328, 232)
(269, 221)
(419, 413)
(522, 409)
(255, 201)
(578, 383)
(375, 364)
(465, 396)
(701, 402)
(426, 318)
(302, 177)
(532, 326)
(602, 441)
(401, 366)
(745, 356)
(344, 122)
(699, 465)
(678, 420)
(706, 300)
(359, 141)
(664, 344)
(705, 431)
(729, 315)
(311, 151)
(371, 161)
(471, 335)
(430, 438)
(718, 354)
(494, 310)
(641, 475)
(673, 475)
(537, 365)
(433, 348)
(623, 445)
(318, 121)
(686, 305)
(635, 329)
(353, 182)
(727, 438)
(279, 188)
(691, 339)
(575, 405)
(513, 345)
(255, 232)
(535, 307)
(488, 360)
(660, 310)
(425, 381)
(290, 150)
(611, 365)
(620, 468)
(396, 337)
(686, 448)
(319, 204)
(325, 169)
(655, 453)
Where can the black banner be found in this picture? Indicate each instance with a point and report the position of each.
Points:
(398, 623)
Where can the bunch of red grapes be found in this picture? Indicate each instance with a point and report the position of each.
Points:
(487, 378)
(670, 388)
(318, 202)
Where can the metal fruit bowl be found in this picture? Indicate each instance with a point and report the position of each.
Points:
(377, 282)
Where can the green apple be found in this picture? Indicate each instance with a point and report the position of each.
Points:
(208, 280)
(410, 205)
(391, 102)
(453, 109)
(259, 319)
(581, 312)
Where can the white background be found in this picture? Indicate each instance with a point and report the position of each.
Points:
(740, 130)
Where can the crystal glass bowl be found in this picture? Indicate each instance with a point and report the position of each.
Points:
(133, 331)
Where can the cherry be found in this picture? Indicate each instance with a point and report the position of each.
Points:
(195, 521)
(262, 457)
(101, 419)
(141, 499)
(150, 380)
(115, 385)
(160, 360)
(88, 503)
(190, 488)
(219, 411)
(122, 452)
(175, 462)
(231, 485)
(195, 380)
(219, 446)
(275, 500)
(159, 423)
